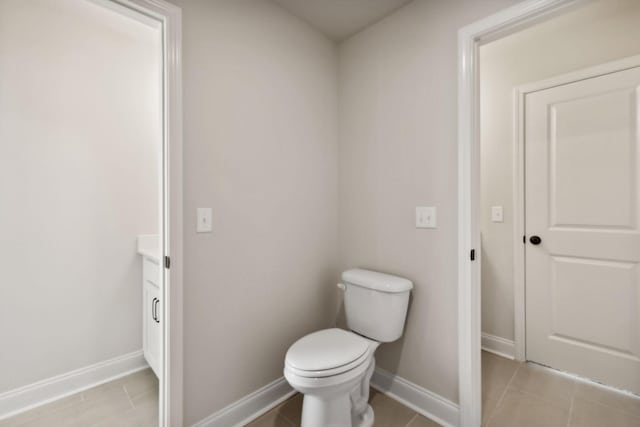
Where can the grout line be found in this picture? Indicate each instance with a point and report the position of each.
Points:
(284, 417)
(570, 412)
(412, 420)
(128, 397)
(573, 398)
(287, 420)
(538, 396)
(504, 392)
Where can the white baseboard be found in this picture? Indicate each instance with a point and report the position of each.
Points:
(498, 345)
(268, 397)
(30, 396)
(250, 407)
(421, 400)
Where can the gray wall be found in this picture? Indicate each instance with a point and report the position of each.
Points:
(598, 32)
(80, 135)
(260, 147)
(398, 150)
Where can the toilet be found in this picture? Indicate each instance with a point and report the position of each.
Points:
(332, 367)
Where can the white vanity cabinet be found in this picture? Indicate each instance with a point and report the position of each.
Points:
(152, 314)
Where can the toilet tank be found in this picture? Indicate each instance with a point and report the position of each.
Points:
(376, 303)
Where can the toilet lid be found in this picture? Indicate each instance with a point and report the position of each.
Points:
(326, 349)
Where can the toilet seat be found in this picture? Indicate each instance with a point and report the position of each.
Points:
(327, 353)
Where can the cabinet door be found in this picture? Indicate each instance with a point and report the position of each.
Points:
(152, 332)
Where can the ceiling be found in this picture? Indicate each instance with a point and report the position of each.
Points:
(340, 19)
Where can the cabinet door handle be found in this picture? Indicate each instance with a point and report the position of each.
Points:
(153, 308)
(156, 310)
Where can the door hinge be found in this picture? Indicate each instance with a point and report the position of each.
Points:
(473, 254)
(524, 239)
(167, 262)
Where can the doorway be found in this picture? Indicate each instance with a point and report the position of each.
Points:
(96, 174)
(507, 29)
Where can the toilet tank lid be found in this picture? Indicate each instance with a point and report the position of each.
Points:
(377, 281)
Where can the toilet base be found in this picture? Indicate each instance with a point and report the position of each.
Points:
(366, 419)
(344, 406)
(326, 412)
(333, 413)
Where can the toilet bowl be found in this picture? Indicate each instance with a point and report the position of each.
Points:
(333, 367)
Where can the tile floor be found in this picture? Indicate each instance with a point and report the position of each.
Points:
(527, 395)
(130, 401)
(513, 395)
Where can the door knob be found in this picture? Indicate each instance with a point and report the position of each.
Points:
(535, 240)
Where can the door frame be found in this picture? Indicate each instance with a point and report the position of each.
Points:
(169, 17)
(501, 24)
(519, 205)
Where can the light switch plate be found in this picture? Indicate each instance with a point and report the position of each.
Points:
(497, 214)
(204, 219)
(426, 217)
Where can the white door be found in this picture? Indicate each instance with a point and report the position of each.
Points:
(582, 201)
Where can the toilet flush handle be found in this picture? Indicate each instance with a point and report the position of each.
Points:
(341, 286)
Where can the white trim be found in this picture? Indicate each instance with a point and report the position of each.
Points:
(172, 392)
(498, 346)
(421, 400)
(39, 393)
(519, 180)
(509, 20)
(250, 407)
(582, 74)
(519, 247)
(171, 380)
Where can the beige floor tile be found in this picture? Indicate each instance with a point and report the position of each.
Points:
(110, 402)
(420, 421)
(147, 402)
(589, 414)
(621, 401)
(525, 410)
(127, 401)
(40, 411)
(103, 389)
(388, 412)
(496, 373)
(544, 383)
(140, 383)
(133, 418)
(488, 407)
(292, 409)
(271, 419)
(137, 382)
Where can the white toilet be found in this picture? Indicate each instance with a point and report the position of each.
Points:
(332, 367)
